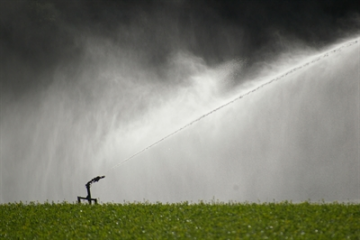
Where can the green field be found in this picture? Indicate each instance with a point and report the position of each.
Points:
(180, 221)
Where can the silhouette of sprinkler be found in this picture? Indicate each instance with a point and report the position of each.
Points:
(88, 190)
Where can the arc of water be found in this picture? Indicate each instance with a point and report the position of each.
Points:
(277, 78)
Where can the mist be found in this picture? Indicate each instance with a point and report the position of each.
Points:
(85, 87)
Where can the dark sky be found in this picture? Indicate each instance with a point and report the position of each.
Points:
(38, 36)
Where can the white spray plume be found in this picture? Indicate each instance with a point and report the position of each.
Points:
(296, 139)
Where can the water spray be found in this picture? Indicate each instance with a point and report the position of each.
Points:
(277, 78)
(88, 185)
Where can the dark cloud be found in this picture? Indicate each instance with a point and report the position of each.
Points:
(37, 36)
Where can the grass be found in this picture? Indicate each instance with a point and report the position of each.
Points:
(180, 221)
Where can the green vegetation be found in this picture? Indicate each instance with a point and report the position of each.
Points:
(180, 221)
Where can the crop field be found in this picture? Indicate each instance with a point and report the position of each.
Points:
(180, 221)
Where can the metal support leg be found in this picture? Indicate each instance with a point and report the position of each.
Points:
(87, 199)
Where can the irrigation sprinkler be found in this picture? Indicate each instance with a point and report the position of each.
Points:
(88, 197)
